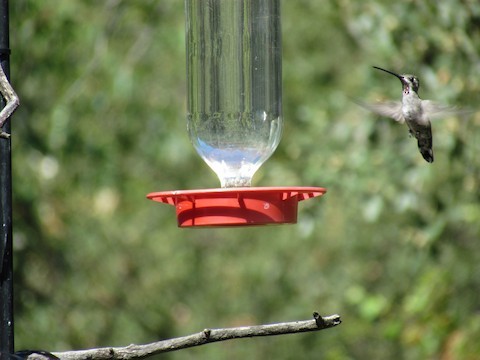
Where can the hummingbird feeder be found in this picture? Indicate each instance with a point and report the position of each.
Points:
(234, 120)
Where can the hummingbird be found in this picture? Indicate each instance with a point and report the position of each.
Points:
(413, 111)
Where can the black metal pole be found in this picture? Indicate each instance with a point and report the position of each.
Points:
(6, 258)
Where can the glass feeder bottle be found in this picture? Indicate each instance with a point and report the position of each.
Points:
(234, 86)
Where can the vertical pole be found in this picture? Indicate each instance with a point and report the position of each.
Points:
(6, 258)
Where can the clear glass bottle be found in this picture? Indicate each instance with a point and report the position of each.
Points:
(234, 75)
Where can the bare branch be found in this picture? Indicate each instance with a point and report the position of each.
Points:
(206, 336)
(11, 98)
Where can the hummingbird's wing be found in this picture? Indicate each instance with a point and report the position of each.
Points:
(391, 109)
(436, 110)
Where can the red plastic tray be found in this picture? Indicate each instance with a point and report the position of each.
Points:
(236, 206)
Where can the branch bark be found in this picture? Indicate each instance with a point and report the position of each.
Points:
(11, 99)
(206, 336)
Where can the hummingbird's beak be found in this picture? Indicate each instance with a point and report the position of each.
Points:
(390, 72)
(402, 79)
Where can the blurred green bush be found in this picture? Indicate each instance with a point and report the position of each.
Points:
(393, 246)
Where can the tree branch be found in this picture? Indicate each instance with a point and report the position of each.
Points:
(206, 336)
(12, 101)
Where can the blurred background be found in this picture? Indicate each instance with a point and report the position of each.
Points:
(393, 247)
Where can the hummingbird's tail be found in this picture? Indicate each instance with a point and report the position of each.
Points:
(425, 147)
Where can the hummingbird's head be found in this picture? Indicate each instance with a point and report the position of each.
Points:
(409, 82)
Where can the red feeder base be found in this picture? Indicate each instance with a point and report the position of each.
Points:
(237, 206)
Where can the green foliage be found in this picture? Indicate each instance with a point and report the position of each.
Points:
(392, 247)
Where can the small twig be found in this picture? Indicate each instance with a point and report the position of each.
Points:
(12, 99)
(204, 337)
(318, 319)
